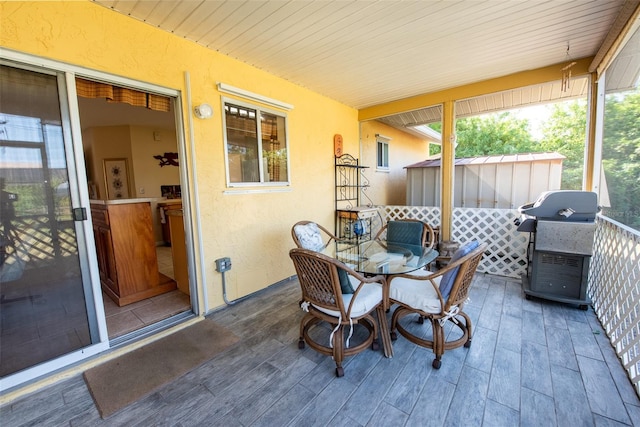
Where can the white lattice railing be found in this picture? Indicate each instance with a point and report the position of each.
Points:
(507, 251)
(614, 288)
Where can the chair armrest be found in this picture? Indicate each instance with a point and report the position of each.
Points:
(380, 279)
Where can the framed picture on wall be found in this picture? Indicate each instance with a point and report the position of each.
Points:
(116, 172)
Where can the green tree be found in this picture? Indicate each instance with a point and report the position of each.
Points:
(621, 156)
(501, 133)
(565, 132)
(491, 134)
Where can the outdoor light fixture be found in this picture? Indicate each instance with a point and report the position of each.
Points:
(203, 111)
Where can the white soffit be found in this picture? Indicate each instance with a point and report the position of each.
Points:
(366, 53)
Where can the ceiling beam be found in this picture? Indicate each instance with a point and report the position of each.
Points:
(499, 84)
(628, 18)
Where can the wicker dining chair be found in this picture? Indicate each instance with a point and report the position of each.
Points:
(334, 293)
(409, 231)
(311, 235)
(439, 297)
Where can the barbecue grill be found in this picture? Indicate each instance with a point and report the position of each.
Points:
(561, 225)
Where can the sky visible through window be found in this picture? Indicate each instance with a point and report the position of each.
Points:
(27, 130)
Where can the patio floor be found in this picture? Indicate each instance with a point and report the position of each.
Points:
(532, 363)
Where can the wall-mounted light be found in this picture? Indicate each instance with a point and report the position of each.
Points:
(203, 111)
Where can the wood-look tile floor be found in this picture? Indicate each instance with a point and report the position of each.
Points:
(532, 363)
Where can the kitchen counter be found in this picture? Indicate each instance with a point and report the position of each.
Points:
(169, 202)
(121, 201)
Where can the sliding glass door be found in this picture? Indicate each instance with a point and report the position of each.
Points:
(46, 296)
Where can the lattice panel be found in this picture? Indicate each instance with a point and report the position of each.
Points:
(428, 214)
(507, 251)
(614, 288)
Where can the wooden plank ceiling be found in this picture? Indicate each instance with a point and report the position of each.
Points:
(365, 53)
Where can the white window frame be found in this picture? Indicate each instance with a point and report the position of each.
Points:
(259, 110)
(382, 152)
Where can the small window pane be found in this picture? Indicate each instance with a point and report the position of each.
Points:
(383, 155)
(274, 148)
(255, 154)
(242, 144)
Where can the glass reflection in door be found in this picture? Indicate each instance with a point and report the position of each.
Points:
(42, 298)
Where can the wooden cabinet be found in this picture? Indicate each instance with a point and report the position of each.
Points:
(179, 249)
(126, 251)
(106, 259)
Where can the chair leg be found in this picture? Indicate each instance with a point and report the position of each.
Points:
(375, 345)
(338, 350)
(394, 322)
(303, 324)
(438, 343)
(467, 321)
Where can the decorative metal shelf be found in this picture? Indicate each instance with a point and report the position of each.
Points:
(353, 218)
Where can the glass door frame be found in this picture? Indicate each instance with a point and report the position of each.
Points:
(79, 192)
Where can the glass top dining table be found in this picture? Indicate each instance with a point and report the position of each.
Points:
(380, 257)
(375, 257)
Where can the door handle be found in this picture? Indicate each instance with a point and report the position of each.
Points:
(79, 214)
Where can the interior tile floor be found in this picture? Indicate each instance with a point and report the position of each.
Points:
(122, 320)
(165, 260)
(131, 317)
(532, 363)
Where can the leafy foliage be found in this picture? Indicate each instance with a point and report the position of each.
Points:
(501, 133)
(565, 132)
(621, 156)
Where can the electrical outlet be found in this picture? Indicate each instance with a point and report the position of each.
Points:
(223, 264)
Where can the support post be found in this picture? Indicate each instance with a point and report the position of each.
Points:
(447, 168)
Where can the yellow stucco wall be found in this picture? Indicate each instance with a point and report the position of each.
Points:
(252, 229)
(389, 187)
(148, 174)
(107, 142)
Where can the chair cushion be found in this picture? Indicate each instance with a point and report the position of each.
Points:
(408, 232)
(449, 277)
(421, 272)
(369, 297)
(345, 283)
(309, 236)
(418, 294)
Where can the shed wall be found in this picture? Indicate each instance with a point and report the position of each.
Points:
(486, 185)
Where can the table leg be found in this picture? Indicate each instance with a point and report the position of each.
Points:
(385, 336)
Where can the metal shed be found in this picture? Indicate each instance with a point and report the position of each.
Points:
(504, 181)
